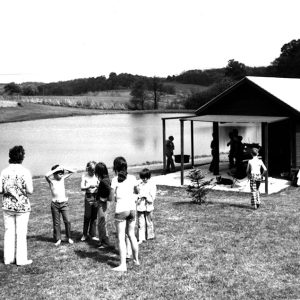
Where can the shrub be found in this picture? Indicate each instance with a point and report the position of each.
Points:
(199, 187)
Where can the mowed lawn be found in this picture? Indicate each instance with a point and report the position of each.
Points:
(220, 250)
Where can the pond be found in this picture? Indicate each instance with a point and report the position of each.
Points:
(73, 141)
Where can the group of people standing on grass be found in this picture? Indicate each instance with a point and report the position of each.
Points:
(134, 200)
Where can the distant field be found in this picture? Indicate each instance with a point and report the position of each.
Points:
(107, 100)
(187, 88)
(101, 100)
(114, 99)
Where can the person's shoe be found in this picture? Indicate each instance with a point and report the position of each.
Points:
(70, 241)
(140, 242)
(26, 262)
(57, 243)
(10, 262)
(257, 205)
(83, 238)
(136, 263)
(105, 245)
(94, 238)
(120, 269)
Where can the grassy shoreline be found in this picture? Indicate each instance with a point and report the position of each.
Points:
(30, 111)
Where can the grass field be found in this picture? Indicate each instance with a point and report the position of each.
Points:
(102, 100)
(220, 250)
(31, 111)
(112, 100)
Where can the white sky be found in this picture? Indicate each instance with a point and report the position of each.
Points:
(52, 40)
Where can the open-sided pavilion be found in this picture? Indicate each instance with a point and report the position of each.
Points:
(274, 103)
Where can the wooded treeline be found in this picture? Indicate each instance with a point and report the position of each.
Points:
(286, 65)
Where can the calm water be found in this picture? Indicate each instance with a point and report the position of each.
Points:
(74, 141)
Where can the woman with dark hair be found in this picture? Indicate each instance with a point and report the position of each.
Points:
(15, 185)
(125, 215)
(103, 196)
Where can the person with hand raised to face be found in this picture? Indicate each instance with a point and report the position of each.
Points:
(59, 205)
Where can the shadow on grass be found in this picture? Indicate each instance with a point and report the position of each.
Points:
(42, 238)
(183, 203)
(244, 206)
(105, 255)
(75, 235)
(190, 203)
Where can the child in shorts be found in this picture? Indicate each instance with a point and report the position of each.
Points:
(123, 185)
(59, 204)
(146, 195)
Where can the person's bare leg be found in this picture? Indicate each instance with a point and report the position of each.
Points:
(133, 241)
(121, 226)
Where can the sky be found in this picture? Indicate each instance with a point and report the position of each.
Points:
(56, 40)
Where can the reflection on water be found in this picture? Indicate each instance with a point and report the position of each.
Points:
(74, 141)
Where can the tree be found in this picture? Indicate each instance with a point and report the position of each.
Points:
(138, 94)
(199, 186)
(112, 80)
(156, 87)
(288, 63)
(196, 100)
(12, 88)
(235, 70)
(29, 91)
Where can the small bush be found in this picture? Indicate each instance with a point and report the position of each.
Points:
(199, 187)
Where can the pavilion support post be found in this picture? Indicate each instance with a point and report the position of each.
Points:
(292, 132)
(182, 151)
(164, 143)
(216, 157)
(265, 144)
(192, 143)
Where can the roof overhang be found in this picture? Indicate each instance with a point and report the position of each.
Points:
(235, 119)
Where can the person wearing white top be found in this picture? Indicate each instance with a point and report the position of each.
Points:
(89, 184)
(145, 205)
(59, 204)
(123, 186)
(255, 171)
(15, 185)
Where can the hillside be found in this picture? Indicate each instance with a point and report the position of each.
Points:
(184, 88)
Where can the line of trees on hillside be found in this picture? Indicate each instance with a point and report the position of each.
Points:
(286, 65)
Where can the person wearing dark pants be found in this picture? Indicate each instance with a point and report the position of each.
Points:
(169, 154)
(57, 209)
(89, 220)
(89, 184)
(104, 196)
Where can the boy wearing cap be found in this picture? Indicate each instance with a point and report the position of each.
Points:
(59, 205)
(255, 171)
